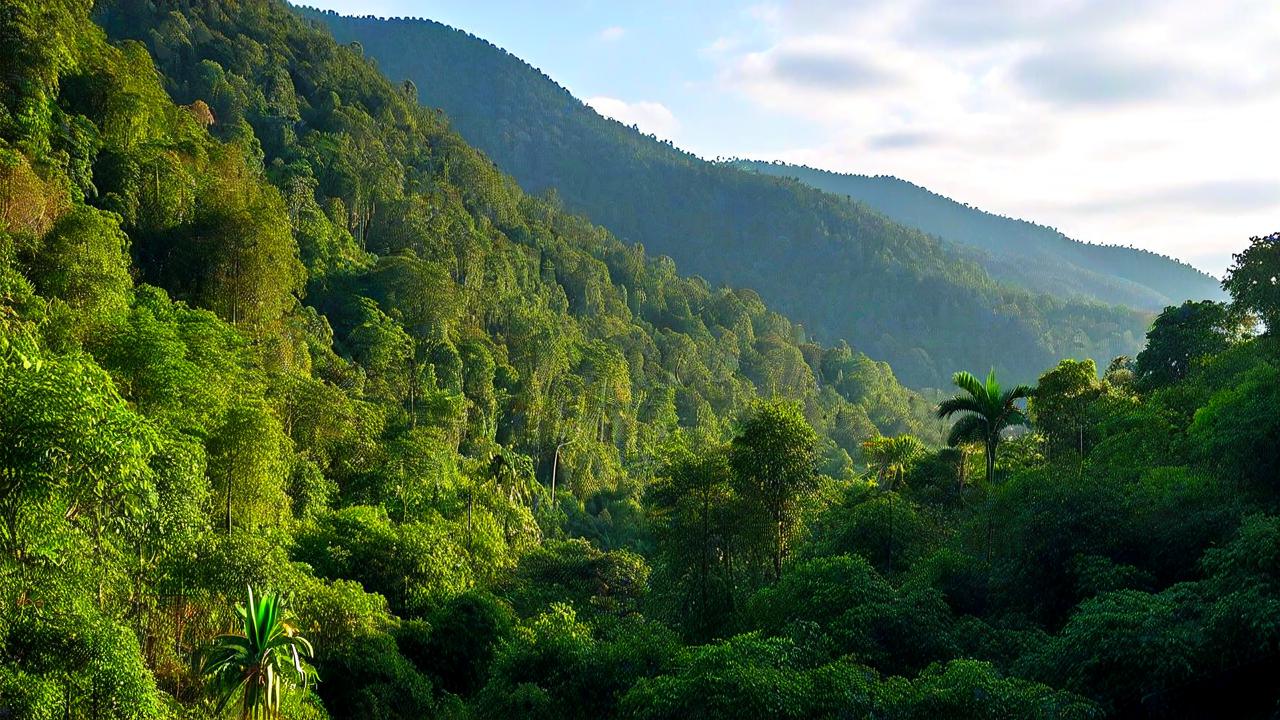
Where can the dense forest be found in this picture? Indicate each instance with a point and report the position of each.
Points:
(308, 411)
(842, 269)
(1016, 251)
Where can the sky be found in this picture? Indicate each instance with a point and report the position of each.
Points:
(1150, 123)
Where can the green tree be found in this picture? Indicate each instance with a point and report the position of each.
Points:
(84, 261)
(75, 460)
(1254, 280)
(1062, 401)
(262, 661)
(66, 660)
(773, 462)
(460, 641)
(886, 529)
(581, 576)
(1181, 335)
(384, 350)
(892, 458)
(248, 465)
(986, 411)
(693, 505)
(860, 613)
(369, 678)
(414, 565)
(1238, 431)
(235, 254)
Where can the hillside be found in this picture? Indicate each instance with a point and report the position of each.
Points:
(840, 269)
(307, 412)
(255, 302)
(1017, 251)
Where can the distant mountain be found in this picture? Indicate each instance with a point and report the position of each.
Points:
(840, 268)
(1018, 251)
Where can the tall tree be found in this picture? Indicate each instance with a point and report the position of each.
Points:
(985, 411)
(248, 465)
(892, 458)
(774, 468)
(1063, 398)
(73, 451)
(693, 506)
(84, 261)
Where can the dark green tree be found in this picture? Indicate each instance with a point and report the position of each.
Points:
(1254, 280)
(1181, 335)
(695, 515)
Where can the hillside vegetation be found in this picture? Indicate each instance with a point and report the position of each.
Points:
(840, 268)
(1017, 251)
(308, 412)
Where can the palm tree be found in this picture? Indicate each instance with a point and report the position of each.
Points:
(259, 663)
(985, 411)
(892, 457)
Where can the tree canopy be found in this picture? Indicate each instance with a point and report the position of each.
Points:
(267, 323)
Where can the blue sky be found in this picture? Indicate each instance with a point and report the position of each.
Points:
(641, 54)
(1145, 122)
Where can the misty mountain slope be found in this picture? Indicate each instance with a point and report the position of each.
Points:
(1018, 251)
(840, 268)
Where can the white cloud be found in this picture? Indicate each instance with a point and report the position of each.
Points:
(612, 33)
(721, 45)
(1142, 122)
(650, 117)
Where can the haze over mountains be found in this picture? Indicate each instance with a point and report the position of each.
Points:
(924, 298)
(1017, 251)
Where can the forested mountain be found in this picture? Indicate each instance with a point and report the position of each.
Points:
(308, 412)
(1016, 251)
(258, 306)
(840, 268)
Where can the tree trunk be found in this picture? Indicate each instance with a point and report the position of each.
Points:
(888, 566)
(229, 475)
(706, 534)
(555, 463)
(777, 549)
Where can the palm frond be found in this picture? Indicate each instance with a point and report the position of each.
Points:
(967, 382)
(1015, 418)
(905, 448)
(1018, 393)
(992, 385)
(951, 406)
(969, 428)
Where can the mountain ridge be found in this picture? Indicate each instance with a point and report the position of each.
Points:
(843, 270)
(1131, 269)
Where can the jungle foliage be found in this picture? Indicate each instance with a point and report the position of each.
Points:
(268, 324)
